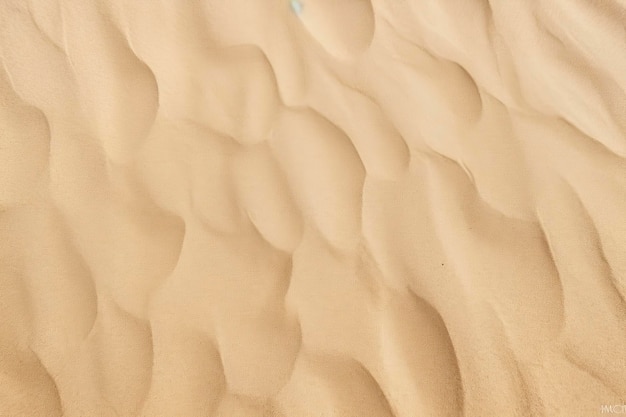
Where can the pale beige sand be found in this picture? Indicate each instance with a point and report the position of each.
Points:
(399, 208)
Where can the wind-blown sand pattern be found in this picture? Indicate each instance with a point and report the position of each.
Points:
(315, 208)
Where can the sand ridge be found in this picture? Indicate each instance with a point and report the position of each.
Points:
(364, 208)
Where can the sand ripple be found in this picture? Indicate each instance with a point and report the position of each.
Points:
(367, 208)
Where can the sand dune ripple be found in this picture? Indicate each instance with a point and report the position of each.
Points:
(313, 208)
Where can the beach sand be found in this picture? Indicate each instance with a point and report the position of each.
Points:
(312, 208)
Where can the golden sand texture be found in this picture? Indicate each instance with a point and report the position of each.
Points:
(315, 208)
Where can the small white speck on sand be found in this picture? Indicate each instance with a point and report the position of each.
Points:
(296, 6)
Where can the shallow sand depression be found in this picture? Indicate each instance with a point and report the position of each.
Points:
(312, 208)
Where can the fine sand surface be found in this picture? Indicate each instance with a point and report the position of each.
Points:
(324, 208)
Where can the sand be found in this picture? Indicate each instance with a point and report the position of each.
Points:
(312, 208)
